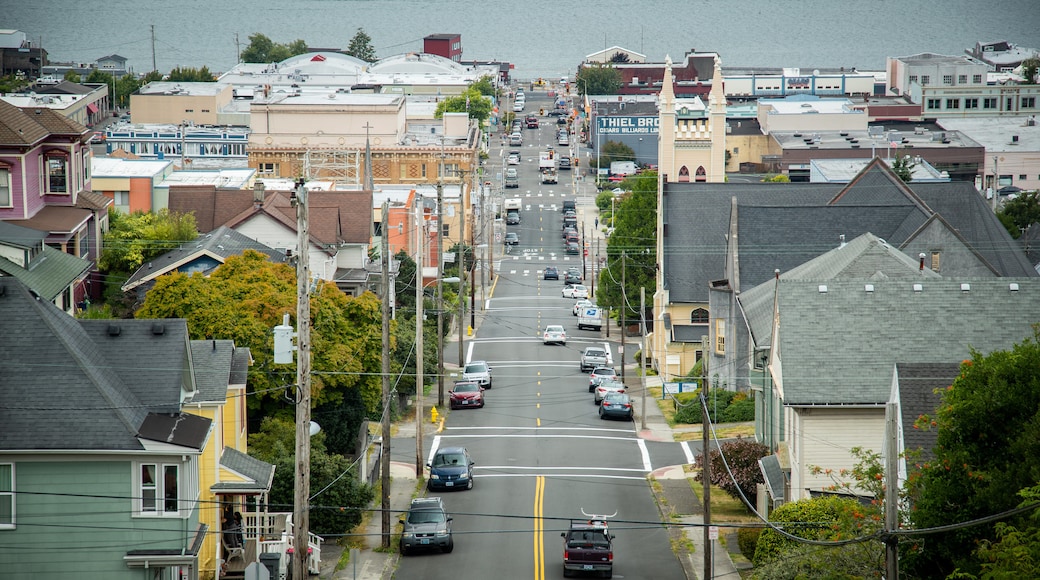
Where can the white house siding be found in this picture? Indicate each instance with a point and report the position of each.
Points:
(275, 235)
(824, 436)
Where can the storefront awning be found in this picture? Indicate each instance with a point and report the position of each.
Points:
(92, 108)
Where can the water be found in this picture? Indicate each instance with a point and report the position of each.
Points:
(543, 38)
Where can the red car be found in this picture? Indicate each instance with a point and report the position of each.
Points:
(466, 394)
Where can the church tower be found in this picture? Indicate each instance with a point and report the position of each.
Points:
(692, 134)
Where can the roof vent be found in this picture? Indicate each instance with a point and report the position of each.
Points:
(868, 288)
(965, 287)
(822, 288)
(1012, 287)
(158, 329)
(918, 287)
(114, 330)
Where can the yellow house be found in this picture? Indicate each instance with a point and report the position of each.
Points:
(226, 474)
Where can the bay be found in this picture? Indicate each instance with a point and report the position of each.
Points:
(542, 38)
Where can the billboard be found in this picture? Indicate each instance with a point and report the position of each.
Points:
(627, 125)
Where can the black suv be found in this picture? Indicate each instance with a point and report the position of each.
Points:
(587, 547)
(426, 525)
(550, 273)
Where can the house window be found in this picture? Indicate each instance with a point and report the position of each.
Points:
(1021, 176)
(445, 231)
(971, 103)
(935, 261)
(159, 489)
(720, 336)
(947, 79)
(268, 168)
(934, 104)
(953, 103)
(423, 170)
(6, 495)
(699, 315)
(913, 78)
(989, 103)
(977, 79)
(1028, 102)
(962, 79)
(121, 198)
(57, 174)
(925, 79)
(5, 187)
(450, 170)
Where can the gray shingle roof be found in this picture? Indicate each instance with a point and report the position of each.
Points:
(50, 274)
(777, 225)
(917, 396)
(62, 389)
(217, 364)
(839, 346)
(259, 474)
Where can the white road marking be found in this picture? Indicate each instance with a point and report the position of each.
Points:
(646, 455)
(690, 458)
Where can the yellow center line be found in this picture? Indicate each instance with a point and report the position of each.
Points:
(539, 528)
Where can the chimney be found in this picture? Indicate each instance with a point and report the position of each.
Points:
(921, 266)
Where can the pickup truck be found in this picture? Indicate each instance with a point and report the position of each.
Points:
(549, 175)
(587, 547)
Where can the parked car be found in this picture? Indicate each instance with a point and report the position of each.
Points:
(450, 468)
(426, 525)
(575, 291)
(557, 112)
(550, 273)
(593, 357)
(616, 405)
(512, 239)
(554, 334)
(581, 304)
(605, 388)
(466, 394)
(601, 374)
(479, 372)
(573, 250)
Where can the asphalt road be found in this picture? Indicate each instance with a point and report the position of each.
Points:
(542, 454)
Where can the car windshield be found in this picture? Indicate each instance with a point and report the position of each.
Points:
(444, 459)
(476, 368)
(425, 517)
(467, 388)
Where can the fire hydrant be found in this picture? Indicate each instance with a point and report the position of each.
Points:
(433, 415)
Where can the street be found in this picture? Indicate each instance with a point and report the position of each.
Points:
(543, 455)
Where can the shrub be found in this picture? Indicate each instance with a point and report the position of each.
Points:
(747, 539)
(687, 407)
(821, 518)
(742, 456)
(738, 411)
(724, 407)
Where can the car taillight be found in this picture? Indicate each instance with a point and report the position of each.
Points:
(610, 557)
(627, 406)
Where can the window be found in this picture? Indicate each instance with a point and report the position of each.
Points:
(6, 495)
(1028, 102)
(934, 104)
(268, 168)
(913, 78)
(971, 103)
(699, 315)
(57, 174)
(925, 79)
(947, 79)
(989, 103)
(121, 198)
(159, 487)
(977, 79)
(423, 170)
(953, 103)
(5, 187)
(189, 110)
(720, 336)
(445, 231)
(451, 170)
(1021, 176)
(962, 79)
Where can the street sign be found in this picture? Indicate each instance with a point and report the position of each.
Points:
(713, 532)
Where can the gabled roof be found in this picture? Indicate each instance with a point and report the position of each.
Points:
(838, 345)
(48, 274)
(211, 360)
(257, 475)
(203, 254)
(808, 218)
(17, 128)
(62, 390)
(916, 393)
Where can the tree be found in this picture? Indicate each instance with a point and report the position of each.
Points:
(339, 502)
(980, 463)
(361, 46)
(484, 86)
(742, 456)
(141, 236)
(619, 57)
(1029, 70)
(478, 106)
(598, 79)
(612, 151)
(263, 49)
(243, 299)
(71, 76)
(632, 249)
(1020, 213)
(1016, 553)
(192, 75)
(827, 518)
(903, 166)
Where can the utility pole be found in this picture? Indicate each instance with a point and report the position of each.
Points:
(238, 50)
(624, 308)
(996, 182)
(385, 449)
(462, 274)
(709, 549)
(891, 491)
(584, 252)
(440, 297)
(642, 357)
(154, 67)
(302, 475)
(420, 239)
